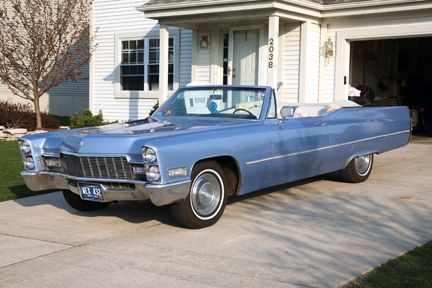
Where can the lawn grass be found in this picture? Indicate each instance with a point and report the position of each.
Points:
(413, 269)
(11, 184)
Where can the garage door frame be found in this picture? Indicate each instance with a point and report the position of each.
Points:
(420, 29)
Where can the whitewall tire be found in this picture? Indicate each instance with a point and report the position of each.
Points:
(207, 197)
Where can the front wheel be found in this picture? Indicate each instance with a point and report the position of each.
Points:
(77, 203)
(358, 170)
(207, 197)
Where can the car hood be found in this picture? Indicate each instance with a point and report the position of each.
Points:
(157, 126)
(127, 138)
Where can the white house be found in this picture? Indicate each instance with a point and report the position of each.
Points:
(309, 50)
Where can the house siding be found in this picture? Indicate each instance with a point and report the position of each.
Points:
(70, 96)
(185, 57)
(111, 18)
(6, 95)
(114, 19)
(66, 99)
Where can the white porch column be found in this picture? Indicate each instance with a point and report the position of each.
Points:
(163, 63)
(304, 60)
(216, 59)
(273, 52)
(194, 54)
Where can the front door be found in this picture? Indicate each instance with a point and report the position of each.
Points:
(243, 56)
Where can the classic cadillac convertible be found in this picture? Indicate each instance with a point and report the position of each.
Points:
(207, 143)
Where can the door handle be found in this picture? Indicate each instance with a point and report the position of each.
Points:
(231, 70)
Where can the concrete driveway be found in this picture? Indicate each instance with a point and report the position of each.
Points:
(319, 233)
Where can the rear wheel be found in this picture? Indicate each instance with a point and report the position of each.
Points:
(77, 203)
(207, 197)
(358, 170)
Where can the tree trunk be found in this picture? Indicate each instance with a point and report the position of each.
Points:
(38, 114)
(36, 98)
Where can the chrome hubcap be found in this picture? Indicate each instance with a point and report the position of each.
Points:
(362, 164)
(206, 193)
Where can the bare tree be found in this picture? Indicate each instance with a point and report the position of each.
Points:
(42, 44)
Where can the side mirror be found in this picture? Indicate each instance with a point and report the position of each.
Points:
(287, 112)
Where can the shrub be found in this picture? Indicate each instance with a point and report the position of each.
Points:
(87, 119)
(22, 116)
(64, 120)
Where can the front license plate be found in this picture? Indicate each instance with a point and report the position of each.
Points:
(91, 191)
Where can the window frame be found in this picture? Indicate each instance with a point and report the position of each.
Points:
(143, 64)
(146, 93)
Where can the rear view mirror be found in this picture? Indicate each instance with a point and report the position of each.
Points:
(287, 112)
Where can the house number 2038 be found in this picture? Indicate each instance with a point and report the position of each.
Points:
(270, 54)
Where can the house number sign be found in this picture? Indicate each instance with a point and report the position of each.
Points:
(270, 54)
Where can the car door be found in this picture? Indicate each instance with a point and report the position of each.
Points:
(300, 148)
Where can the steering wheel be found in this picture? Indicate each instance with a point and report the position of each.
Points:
(241, 109)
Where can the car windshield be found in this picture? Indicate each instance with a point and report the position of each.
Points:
(214, 102)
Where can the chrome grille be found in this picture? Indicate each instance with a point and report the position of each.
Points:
(96, 167)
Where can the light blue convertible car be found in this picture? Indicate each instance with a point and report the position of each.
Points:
(207, 143)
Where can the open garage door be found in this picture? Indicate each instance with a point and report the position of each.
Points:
(395, 72)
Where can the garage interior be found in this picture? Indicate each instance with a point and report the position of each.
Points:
(393, 72)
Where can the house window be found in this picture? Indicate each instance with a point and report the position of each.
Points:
(132, 65)
(153, 64)
(225, 59)
(139, 69)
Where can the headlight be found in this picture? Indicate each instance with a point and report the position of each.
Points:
(28, 162)
(153, 173)
(149, 155)
(26, 155)
(151, 166)
(24, 147)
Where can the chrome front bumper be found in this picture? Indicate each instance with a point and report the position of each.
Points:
(159, 195)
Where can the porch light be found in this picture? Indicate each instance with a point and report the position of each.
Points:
(204, 42)
(329, 48)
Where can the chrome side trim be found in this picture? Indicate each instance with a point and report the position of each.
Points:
(326, 147)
